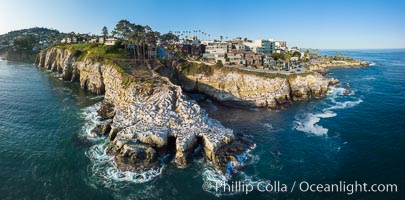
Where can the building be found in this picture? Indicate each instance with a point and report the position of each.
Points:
(253, 59)
(216, 47)
(260, 46)
(101, 40)
(93, 40)
(241, 47)
(235, 58)
(269, 61)
(190, 49)
(214, 57)
(280, 46)
(110, 41)
(215, 52)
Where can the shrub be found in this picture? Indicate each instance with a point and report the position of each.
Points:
(219, 63)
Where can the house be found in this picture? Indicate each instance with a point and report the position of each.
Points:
(269, 61)
(241, 47)
(260, 46)
(93, 40)
(216, 47)
(215, 52)
(101, 40)
(253, 59)
(109, 41)
(235, 58)
(190, 49)
(214, 57)
(280, 46)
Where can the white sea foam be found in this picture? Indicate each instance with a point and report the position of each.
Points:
(268, 125)
(369, 78)
(106, 172)
(91, 119)
(345, 104)
(103, 166)
(211, 176)
(308, 123)
(371, 64)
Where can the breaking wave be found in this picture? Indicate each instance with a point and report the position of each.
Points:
(91, 119)
(103, 167)
(308, 123)
(211, 176)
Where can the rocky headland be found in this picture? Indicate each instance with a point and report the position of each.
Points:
(146, 117)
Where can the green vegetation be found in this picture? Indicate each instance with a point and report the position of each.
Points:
(95, 51)
(104, 31)
(278, 56)
(219, 64)
(25, 43)
(191, 68)
(130, 70)
(261, 74)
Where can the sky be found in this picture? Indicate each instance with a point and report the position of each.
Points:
(342, 24)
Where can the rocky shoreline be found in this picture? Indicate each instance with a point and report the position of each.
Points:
(147, 118)
(236, 87)
(324, 66)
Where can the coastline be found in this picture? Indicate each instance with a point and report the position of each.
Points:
(325, 65)
(11, 55)
(93, 77)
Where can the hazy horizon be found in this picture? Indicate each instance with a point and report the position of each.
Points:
(343, 25)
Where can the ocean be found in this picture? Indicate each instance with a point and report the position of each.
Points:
(356, 133)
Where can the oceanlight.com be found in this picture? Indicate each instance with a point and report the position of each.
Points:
(303, 186)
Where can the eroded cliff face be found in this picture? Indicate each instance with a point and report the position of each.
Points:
(19, 56)
(146, 119)
(245, 89)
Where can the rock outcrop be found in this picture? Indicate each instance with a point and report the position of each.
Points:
(18, 56)
(247, 89)
(323, 65)
(145, 118)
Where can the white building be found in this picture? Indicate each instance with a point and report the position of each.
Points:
(216, 48)
(101, 40)
(260, 46)
(93, 40)
(110, 41)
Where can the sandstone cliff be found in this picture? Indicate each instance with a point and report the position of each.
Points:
(145, 118)
(12, 55)
(239, 87)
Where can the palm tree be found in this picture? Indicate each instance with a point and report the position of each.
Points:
(344, 55)
(288, 59)
(221, 37)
